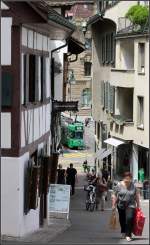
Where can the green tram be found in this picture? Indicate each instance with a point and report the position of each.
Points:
(72, 134)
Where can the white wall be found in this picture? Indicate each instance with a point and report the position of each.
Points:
(35, 123)
(6, 130)
(58, 55)
(6, 24)
(13, 221)
(34, 40)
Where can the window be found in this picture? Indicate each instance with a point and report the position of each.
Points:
(6, 89)
(86, 97)
(79, 135)
(108, 48)
(31, 78)
(43, 78)
(140, 115)
(87, 68)
(141, 51)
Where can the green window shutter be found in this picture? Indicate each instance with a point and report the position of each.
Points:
(6, 89)
(106, 95)
(102, 94)
(112, 99)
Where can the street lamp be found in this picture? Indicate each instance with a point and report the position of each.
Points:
(84, 27)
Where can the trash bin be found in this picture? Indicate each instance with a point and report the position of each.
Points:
(141, 175)
(146, 189)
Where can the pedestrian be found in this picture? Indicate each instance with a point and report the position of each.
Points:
(101, 191)
(105, 173)
(126, 198)
(71, 178)
(85, 166)
(60, 149)
(61, 173)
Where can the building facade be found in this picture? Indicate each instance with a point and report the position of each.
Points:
(28, 162)
(120, 89)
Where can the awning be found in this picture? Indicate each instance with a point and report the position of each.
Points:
(114, 142)
(102, 153)
(106, 153)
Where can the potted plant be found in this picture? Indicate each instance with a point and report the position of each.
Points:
(138, 15)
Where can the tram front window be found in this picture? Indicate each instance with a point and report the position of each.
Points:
(72, 134)
(79, 135)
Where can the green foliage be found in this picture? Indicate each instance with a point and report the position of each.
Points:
(138, 14)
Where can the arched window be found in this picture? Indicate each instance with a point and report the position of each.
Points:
(86, 97)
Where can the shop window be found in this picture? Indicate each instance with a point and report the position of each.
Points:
(141, 51)
(86, 97)
(140, 118)
(87, 68)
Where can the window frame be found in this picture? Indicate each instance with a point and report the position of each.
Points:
(140, 120)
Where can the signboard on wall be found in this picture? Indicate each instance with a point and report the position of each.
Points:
(59, 199)
(60, 106)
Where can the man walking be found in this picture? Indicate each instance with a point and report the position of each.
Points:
(60, 175)
(71, 177)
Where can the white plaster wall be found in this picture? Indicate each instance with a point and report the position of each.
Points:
(24, 36)
(34, 40)
(4, 6)
(58, 55)
(14, 222)
(30, 39)
(39, 41)
(48, 80)
(6, 130)
(6, 24)
(10, 223)
(35, 123)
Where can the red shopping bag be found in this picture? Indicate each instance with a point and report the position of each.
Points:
(139, 220)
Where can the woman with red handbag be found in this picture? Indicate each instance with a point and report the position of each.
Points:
(126, 199)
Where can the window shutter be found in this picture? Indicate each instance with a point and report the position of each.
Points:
(26, 78)
(112, 99)
(43, 80)
(102, 94)
(36, 78)
(112, 47)
(106, 95)
(6, 89)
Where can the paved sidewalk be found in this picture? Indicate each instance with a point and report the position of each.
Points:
(85, 228)
(42, 236)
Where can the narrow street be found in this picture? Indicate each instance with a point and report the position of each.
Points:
(85, 227)
(93, 227)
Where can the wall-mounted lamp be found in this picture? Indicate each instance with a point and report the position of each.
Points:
(84, 27)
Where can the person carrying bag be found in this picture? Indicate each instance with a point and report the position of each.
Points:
(126, 199)
(101, 191)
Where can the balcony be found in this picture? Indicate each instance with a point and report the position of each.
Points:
(122, 77)
(123, 131)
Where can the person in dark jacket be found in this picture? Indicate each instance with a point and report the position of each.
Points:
(61, 173)
(71, 178)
